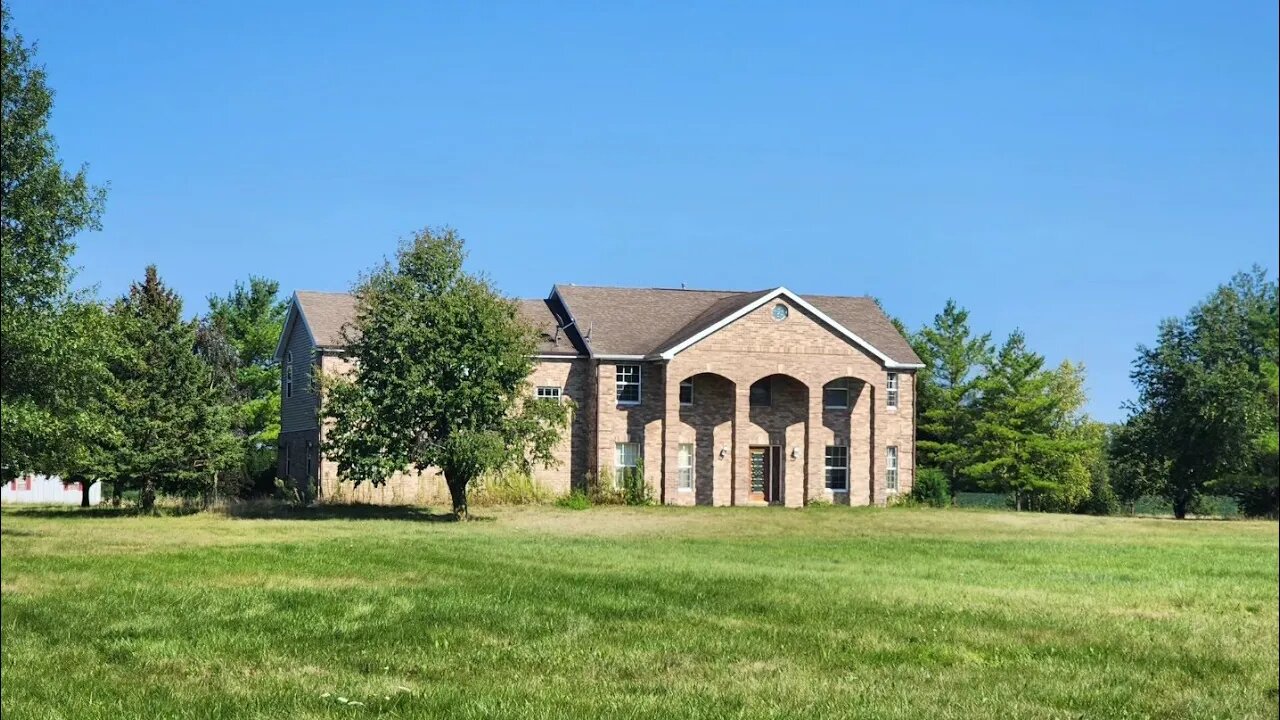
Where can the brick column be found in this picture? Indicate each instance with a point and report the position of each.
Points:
(816, 457)
(670, 436)
(741, 481)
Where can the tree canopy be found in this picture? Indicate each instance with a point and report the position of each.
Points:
(441, 362)
(51, 360)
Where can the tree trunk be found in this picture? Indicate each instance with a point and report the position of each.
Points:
(148, 496)
(117, 492)
(1017, 501)
(458, 494)
(84, 493)
(1180, 508)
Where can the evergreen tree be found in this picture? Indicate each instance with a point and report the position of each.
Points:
(174, 428)
(441, 363)
(1021, 446)
(948, 389)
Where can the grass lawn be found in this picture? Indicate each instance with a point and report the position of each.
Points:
(644, 613)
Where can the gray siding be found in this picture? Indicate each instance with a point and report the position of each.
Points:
(299, 411)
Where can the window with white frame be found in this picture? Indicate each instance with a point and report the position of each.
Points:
(891, 469)
(835, 397)
(288, 374)
(625, 456)
(548, 392)
(686, 392)
(837, 470)
(684, 467)
(891, 390)
(628, 382)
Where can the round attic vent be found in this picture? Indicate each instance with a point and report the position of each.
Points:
(780, 312)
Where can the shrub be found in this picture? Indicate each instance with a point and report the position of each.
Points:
(931, 488)
(510, 487)
(295, 493)
(576, 500)
(602, 490)
(635, 491)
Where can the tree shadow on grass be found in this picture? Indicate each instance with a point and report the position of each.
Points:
(246, 510)
(281, 511)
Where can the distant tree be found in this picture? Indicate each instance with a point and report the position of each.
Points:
(441, 363)
(948, 385)
(1022, 448)
(53, 373)
(246, 324)
(1135, 471)
(174, 426)
(1206, 407)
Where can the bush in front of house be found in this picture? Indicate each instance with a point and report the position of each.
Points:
(931, 488)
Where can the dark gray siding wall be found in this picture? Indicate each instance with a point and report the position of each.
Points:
(299, 411)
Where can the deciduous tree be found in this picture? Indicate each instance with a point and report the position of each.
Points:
(441, 362)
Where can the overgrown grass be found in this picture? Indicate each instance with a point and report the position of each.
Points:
(644, 613)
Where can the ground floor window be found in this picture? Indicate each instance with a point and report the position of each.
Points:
(625, 456)
(684, 467)
(837, 467)
(288, 460)
(891, 469)
(549, 392)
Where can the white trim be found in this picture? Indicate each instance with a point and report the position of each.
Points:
(888, 362)
(557, 357)
(639, 383)
(693, 462)
(635, 358)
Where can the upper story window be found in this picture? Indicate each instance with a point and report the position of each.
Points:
(835, 397)
(891, 390)
(548, 392)
(761, 393)
(686, 392)
(288, 373)
(628, 384)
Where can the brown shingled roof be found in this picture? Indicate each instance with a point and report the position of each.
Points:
(326, 314)
(634, 321)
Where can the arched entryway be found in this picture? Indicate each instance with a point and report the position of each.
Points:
(702, 456)
(771, 451)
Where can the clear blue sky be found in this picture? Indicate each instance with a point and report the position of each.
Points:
(1078, 170)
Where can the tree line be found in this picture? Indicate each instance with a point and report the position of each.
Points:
(126, 391)
(998, 419)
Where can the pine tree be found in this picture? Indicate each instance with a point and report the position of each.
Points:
(174, 427)
(1023, 446)
(954, 362)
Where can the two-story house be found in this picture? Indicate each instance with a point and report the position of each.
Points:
(726, 398)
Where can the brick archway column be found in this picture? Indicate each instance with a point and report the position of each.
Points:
(816, 452)
(670, 446)
(740, 480)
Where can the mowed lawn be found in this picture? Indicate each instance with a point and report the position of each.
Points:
(638, 613)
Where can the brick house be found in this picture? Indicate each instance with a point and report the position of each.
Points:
(728, 398)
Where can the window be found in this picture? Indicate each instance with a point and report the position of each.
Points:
(628, 382)
(686, 392)
(288, 374)
(684, 467)
(308, 461)
(837, 467)
(548, 392)
(288, 461)
(891, 469)
(835, 397)
(762, 393)
(891, 390)
(625, 456)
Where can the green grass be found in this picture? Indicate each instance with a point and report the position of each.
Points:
(638, 612)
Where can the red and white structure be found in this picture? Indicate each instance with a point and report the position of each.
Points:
(47, 490)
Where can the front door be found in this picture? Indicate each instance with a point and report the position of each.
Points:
(766, 480)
